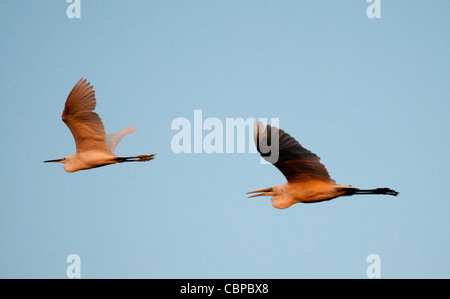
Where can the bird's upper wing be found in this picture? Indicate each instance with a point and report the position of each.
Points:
(86, 126)
(113, 139)
(296, 162)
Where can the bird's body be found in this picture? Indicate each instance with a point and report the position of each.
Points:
(283, 196)
(308, 180)
(93, 147)
(87, 160)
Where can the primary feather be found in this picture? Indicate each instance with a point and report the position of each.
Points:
(86, 126)
(295, 162)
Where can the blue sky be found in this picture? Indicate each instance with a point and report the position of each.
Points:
(370, 96)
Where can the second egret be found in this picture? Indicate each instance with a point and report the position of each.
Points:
(308, 180)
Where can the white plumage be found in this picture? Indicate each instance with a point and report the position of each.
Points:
(93, 147)
(308, 180)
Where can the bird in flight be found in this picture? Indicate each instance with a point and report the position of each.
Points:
(93, 147)
(308, 180)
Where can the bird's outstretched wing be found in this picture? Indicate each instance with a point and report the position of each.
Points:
(296, 162)
(86, 126)
(113, 139)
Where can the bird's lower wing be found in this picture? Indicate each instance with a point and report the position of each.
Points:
(88, 131)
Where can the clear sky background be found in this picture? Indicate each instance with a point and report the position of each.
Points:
(370, 96)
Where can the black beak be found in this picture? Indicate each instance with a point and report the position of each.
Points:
(56, 160)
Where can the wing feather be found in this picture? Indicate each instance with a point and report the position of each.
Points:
(295, 162)
(86, 126)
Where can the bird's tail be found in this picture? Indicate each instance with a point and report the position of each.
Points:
(385, 191)
(141, 158)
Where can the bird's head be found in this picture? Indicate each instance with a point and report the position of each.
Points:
(65, 161)
(279, 199)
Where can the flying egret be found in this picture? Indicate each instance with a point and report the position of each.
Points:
(308, 180)
(94, 147)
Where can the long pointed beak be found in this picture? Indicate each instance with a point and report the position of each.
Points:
(264, 192)
(56, 160)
